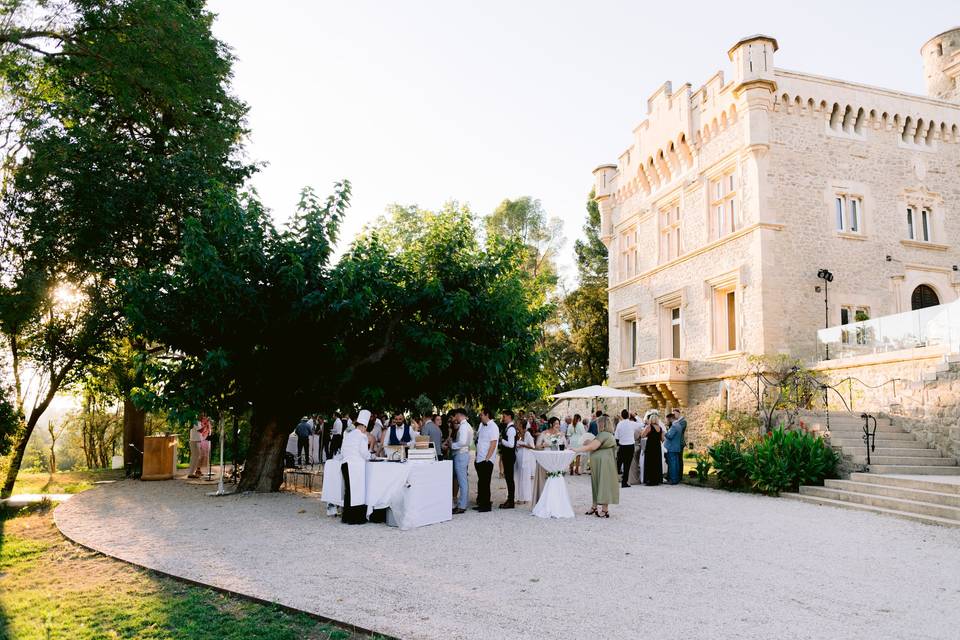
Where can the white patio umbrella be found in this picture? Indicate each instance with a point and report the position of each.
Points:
(597, 391)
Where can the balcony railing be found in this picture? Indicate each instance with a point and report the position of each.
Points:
(665, 381)
(930, 327)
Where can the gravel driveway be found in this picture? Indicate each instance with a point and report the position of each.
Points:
(671, 562)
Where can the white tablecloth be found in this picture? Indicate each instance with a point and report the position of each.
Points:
(416, 493)
(554, 502)
(314, 450)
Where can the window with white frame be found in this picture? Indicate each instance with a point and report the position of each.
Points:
(725, 326)
(671, 245)
(628, 253)
(848, 213)
(630, 342)
(671, 329)
(919, 224)
(723, 205)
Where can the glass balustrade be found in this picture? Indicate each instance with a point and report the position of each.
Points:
(933, 326)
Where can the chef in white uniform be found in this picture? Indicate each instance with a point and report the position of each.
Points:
(355, 452)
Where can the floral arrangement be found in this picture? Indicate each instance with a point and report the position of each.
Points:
(556, 474)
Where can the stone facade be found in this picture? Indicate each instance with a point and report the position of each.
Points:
(731, 197)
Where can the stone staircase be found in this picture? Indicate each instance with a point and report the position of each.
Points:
(933, 498)
(897, 451)
(927, 501)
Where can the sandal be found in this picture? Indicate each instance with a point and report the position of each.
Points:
(592, 512)
(603, 514)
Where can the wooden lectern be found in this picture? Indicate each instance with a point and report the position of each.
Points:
(159, 457)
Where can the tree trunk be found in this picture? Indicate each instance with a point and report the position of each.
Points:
(134, 421)
(263, 469)
(16, 459)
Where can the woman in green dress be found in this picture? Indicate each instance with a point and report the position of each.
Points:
(603, 469)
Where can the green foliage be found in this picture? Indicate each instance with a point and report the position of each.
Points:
(122, 123)
(578, 350)
(781, 461)
(785, 460)
(729, 461)
(11, 422)
(703, 468)
(423, 405)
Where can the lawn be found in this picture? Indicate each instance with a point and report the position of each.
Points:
(63, 481)
(52, 588)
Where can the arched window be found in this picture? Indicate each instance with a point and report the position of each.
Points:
(923, 297)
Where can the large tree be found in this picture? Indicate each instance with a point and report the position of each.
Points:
(118, 125)
(265, 312)
(584, 310)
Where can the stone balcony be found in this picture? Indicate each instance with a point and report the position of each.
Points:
(665, 381)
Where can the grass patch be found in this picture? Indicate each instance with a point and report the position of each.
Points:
(63, 481)
(52, 588)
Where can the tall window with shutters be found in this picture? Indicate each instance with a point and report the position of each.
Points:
(671, 240)
(724, 215)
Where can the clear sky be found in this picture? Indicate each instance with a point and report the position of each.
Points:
(421, 102)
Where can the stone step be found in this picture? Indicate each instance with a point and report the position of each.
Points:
(949, 499)
(897, 451)
(885, 502)
(914, 470)
(906, 460)
(844, 426)
(912, 445)
(930, 484)
(858, 435)
(906, 515)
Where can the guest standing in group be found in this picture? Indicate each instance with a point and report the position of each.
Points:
(525, 465)
(592, 427)
(460, 448)
(303, 431)
(603, 469)
(508, 455)
(432, 430)
(653, 454)
(575, 433)
(488, 435)
(626, 435)
(336, 435)
(356, 452)
(674, 444)
(195, 439)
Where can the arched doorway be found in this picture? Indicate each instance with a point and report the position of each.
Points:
(923, 296)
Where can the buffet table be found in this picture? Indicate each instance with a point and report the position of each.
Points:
(415, 493)
(554, 501)
(313, 451)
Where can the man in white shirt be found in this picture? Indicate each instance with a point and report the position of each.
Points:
(508, 454)
(626, 436)
(460, 450)
(488, 436)
(336, 436)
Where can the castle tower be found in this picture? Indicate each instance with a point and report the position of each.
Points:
(941, 65)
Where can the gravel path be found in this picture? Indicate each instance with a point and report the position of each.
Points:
(671, 562)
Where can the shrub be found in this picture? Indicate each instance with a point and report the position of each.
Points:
(730, 463)
(784, 460)
(703, 468)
